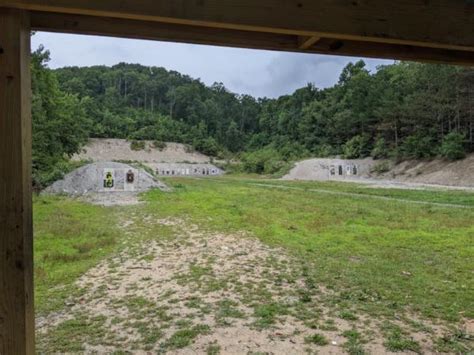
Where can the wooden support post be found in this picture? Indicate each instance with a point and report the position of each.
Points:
(16, 235)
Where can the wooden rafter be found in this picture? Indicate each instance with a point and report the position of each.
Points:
(305, 42)
(445, 24)
(107, 26)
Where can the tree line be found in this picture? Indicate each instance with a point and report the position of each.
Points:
(401, 111)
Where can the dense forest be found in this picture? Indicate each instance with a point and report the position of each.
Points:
(401, 111)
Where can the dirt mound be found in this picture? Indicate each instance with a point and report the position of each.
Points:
(435, 172)
(102, 150)
(107, 183)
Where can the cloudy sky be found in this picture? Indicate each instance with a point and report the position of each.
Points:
(254, 72)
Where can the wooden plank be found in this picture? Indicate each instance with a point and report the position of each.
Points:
(393, 51)
(106, 26)
(437, 23)
(16, 236)
(245, 39)
(306, 42)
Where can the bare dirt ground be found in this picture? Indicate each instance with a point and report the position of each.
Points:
(112, 199)
(437, 172)
(197, 292)
(100, 150)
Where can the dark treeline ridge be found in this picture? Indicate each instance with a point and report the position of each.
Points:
(402, 111)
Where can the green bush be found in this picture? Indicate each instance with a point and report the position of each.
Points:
(207, 146)
(290, 151)
(381, 167)
(137, 145)
(452, 147)
(231, 167)
(357, 147)
(380, 150)
(323, 151)
(418, 147)
(264, 161)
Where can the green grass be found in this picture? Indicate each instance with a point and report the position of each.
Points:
(455, 342)
(379, 257)
(213, 349)
(317, 339)
(228, 309)
(354, 342)
(70, 335)
(397, 341)
(70, 237)
(184, 337)
(464, 198)
(382, 256)
(266, 314)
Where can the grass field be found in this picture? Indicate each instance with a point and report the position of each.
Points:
(368, 267)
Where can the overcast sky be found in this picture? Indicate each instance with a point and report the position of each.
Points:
(243, 71)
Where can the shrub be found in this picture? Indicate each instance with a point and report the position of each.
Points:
(264, 161)
(323, 151)
(356, 147)
(160, 145)
(137, 145)
(452, 147)
(380, 150)
(207, 146)
(417, 147)
(291, 150)
(381, 167)
(231, 167)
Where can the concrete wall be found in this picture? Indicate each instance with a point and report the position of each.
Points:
(330, 169)
(184, 169)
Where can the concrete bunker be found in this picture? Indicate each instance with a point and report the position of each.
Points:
(105, 177)
(331, 169)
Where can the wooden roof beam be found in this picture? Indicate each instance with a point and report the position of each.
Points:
(114, 27)
(445, 24)
(106, 26)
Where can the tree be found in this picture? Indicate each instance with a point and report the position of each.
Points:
(234, 138)
(60, 124)
(407, 110)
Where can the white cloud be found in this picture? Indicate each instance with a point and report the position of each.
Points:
(254, 72)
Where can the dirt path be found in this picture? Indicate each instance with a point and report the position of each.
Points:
(197, 292)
